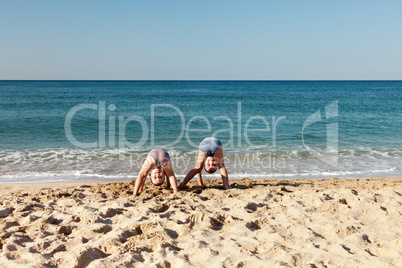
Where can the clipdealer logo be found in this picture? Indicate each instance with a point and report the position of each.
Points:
(330, 156)
(107, 122)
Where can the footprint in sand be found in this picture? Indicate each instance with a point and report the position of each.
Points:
(67, 230)
(111, 212)
(256, 224)
(251, 207)
(103, 229)
(159, 208)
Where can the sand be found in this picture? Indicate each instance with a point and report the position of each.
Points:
(258, 223)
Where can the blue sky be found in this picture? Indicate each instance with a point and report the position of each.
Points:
(216, 40)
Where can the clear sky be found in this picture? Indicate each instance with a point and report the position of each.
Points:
(205, 39)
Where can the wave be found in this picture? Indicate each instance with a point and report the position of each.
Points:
(51, 164)
(56, 154)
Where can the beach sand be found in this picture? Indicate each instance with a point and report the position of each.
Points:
(257, 223)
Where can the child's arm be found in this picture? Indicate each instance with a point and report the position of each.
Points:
(222, 168)
(171, 178)
(198, 167)
(167, 182)
(225, 178)
(199, 179)
(142, 176)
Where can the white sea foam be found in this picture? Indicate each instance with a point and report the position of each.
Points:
(114, 164)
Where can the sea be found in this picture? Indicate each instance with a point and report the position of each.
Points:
(103, 130)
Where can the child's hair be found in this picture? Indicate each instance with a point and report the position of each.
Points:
(211, 170)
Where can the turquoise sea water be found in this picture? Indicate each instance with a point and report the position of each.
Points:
(84, 130)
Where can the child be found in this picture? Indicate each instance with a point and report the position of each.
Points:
(158, 162)
(210, 157)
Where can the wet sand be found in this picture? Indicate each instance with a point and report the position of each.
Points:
(257, 223)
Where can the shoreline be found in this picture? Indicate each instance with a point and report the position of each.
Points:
(257, 223)
(25, 187)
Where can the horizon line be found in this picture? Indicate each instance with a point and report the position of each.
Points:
(206, 80)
